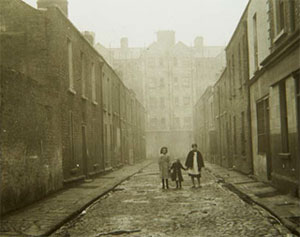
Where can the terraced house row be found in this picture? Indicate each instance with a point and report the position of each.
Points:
(65, 114)
(249, 119)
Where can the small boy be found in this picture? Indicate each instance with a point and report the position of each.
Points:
(176, 174)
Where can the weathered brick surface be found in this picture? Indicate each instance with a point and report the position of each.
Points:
(31, 158)
(221, 129)
(53, 133)
(280, 66)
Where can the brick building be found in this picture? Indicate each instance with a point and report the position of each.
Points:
(168, 76)
(257, 97)
(274, 91)
(225, 108)
(238, 107)
(61, 116)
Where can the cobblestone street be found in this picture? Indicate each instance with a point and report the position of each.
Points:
(139, 207)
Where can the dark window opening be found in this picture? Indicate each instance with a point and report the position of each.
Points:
(283, 117)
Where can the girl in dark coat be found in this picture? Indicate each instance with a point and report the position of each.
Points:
(194, 163)
(176, 173)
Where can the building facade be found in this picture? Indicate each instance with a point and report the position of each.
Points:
(61, 116)
(168, 76)
(274, 92)
(256, 99)
(223, 110)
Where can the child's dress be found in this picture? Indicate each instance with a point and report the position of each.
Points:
(176, 171)
(164, 166)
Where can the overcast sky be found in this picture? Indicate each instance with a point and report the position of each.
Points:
(138, 20)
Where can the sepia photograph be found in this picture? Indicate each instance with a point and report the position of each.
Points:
(150, 118)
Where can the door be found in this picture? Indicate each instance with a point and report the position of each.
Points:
(268, 146)
(84, 152)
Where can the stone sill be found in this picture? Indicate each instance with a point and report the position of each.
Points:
(81, 177)
(279, 36)
(284, 156)
(72, 91)
(74, 170)
(84, 98)
(95, 103)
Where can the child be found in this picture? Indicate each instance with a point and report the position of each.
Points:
(176, 173)
(164, 166)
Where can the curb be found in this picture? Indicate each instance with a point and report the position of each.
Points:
(78, 211)
(250, 200)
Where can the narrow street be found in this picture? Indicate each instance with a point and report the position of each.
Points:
(139, 207)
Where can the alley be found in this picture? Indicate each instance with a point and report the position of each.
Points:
(139, 207)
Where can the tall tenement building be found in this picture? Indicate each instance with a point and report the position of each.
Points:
(169, 77)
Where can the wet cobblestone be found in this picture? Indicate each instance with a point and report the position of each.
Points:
(141, 206)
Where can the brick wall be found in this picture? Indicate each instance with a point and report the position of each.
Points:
(31, 159)
(53, 131)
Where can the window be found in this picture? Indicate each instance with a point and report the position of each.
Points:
(152, 102)
(292, 15)
(243, 136)
(297, 81)
(262, 108)
(83, 86)
(176, 81)
(108, 89)
(175, 62)
(152, 82)
(177, 101)
(163, 122)
(151, 62)
(245, 61)
(2, 24)
(240, 64)
(279, 16)
(162, 102)
(177, 122)
(93, 80)
(162, 83)
(70, 65)
(255, 42)
(187, 122)
(71, 135)
(232, 74)
(161, 62)
(186, 100)
(234, 135)
(186, 82)
(283, 117)
(153, 122)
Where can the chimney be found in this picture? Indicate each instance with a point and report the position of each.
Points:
(199, 42)
(124, 43)
(90, 36)
(62, 4)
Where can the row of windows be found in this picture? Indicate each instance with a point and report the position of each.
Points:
(237, 73)
(84, 72)
(263, 118)
(162, 102)
(152, 62)
(284, 16)
(185, 122)
(162, 83)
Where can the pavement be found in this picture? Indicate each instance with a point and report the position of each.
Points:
(139, 207)
(45, 216)
(285, 208)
